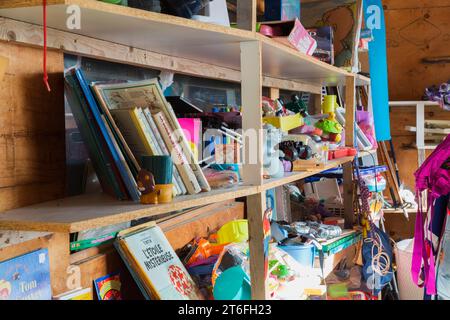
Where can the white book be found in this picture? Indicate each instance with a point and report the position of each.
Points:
(148, 116)
(180, 161)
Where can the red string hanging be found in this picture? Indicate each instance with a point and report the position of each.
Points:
(44, 8)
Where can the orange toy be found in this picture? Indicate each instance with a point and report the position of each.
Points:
(204, 250)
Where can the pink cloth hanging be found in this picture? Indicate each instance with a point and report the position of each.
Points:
(436, 180)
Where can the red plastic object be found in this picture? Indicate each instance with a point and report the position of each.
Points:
(341, 153)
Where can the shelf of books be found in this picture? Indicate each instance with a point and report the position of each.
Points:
(123, 122)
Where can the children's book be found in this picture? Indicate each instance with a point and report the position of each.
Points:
(148, 94)
(97, 236)
(109, 287)
(26, 277)
(100, 159)
(180, 160)
(154, 264)
(112, 146)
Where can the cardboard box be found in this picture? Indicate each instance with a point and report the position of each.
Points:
(290, 33)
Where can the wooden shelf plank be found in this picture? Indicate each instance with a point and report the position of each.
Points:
(89, 211)
(362, 80)
(295, 176)
(284, 62)
(176, 37)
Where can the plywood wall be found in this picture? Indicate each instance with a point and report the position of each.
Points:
(32, 148)
(416, 30)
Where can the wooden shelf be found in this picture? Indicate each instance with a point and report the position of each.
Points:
(362, 80)
(295, 176)
(89, 211)
(175, 36)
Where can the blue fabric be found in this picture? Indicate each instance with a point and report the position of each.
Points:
(374, 20)
(367, 273)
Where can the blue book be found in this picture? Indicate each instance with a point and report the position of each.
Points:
(124, 171)
(101, 160)
(26, 277)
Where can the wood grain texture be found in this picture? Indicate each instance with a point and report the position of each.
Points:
(181, 233)
(32, 136)
(89, 211)
(415, 30)
(256, 205)
(190, 39)
(29, 34)
(246, 15)
(251, 92)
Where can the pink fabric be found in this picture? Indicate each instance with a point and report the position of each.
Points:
(431, 177)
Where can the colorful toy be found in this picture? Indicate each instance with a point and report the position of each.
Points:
(233, 231)
(296, 105)
(332, 130)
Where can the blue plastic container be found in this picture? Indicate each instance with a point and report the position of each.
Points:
(303, 254)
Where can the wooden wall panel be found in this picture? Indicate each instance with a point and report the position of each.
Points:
(32, 144)
(416, 30)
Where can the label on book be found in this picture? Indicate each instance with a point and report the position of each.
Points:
(159, 262)
(26, 277)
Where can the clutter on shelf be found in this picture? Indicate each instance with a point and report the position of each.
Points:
(440, 94)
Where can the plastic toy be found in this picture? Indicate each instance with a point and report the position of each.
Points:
(273, 167)
(233, 231)
(332, 130)
(296, 105)
(204, 249)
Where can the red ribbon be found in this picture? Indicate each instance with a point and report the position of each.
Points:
(44, 8)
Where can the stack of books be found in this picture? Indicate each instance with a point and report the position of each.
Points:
(120, 123)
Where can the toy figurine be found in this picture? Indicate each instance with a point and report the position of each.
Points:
(332, 130)
(273, 167)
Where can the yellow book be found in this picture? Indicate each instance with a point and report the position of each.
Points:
(133, 131)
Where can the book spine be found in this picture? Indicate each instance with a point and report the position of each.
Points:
(143, 134)
(92, 104)
(154, 131)
(181, 162)
(100, 160)
(165, 151)
(134, 193)
(133, 164)
(193, 163)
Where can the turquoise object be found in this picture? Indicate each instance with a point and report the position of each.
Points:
(374, 20)
(160, 166)
(232, 284)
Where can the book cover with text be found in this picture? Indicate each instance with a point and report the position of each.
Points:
(26, 277)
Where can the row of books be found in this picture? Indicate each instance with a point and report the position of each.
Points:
(146, 252)
(122, 121)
